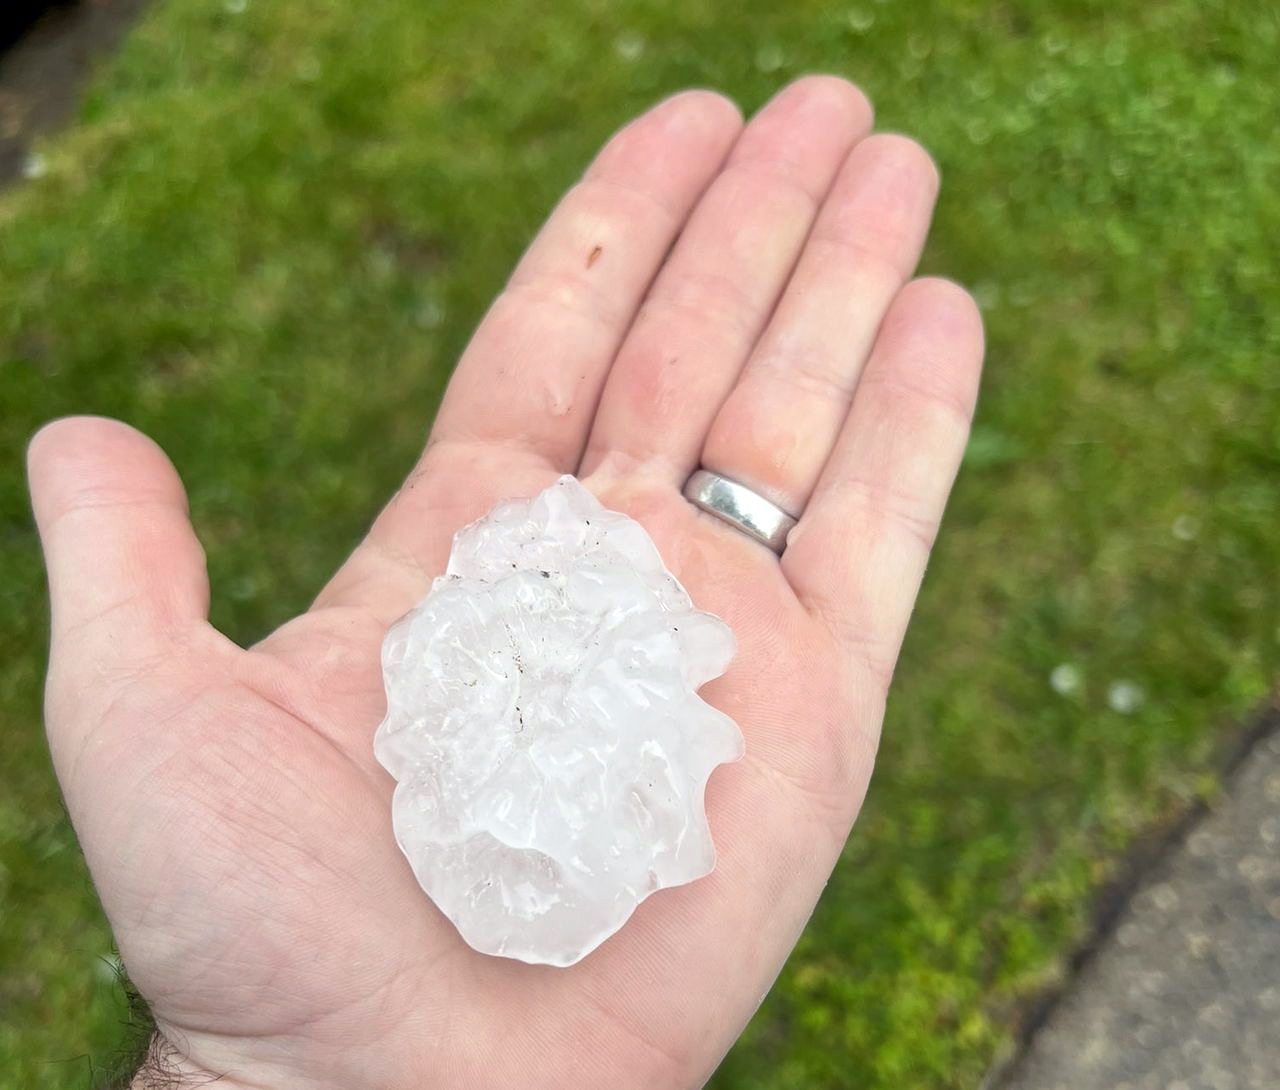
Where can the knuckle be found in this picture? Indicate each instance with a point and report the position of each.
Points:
(937, 403)
(775, 177)
(705, 302)
(808, 369)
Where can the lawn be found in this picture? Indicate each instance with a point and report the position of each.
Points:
(273, 225)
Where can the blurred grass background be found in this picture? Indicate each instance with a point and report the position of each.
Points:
(273, 226)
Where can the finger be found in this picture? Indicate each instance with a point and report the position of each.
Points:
(716, 291)
(857, 556)
(778, 426)
(127, 581)
(531, 376)
(522, 397)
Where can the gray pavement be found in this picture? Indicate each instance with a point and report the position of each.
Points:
(1185, 993)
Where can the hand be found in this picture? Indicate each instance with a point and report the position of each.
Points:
(707, 293)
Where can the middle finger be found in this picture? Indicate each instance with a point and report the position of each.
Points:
(722, 280)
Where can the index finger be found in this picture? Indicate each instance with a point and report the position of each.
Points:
(523, 396)
(532, 374)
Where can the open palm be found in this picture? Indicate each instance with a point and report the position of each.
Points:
(708, 293)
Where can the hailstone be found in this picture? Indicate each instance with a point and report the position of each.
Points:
(544, 728)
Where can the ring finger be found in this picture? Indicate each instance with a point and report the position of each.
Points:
(777, 427)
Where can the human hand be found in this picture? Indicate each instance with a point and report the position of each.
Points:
(227, 800)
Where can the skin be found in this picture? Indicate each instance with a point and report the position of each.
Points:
(709, 292)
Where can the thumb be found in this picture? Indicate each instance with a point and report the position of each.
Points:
(126, 573)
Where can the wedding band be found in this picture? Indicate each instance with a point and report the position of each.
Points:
(741, 508)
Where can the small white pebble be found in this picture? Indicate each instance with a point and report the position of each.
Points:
(1064, 679)
(1164, 897)
(1200, 844)
(769, 58)
(35, 166)
(1125, 697)
(243, 588)
(1253, 869)
(1199, 944)
(629, 47)
(986, 294)
(430, 315)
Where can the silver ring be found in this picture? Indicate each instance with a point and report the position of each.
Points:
(741, 508)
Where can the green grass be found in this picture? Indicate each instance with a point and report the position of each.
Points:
(269, 233)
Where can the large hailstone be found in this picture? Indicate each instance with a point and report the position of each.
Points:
(544, 728)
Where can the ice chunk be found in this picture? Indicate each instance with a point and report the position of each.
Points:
(544, 728)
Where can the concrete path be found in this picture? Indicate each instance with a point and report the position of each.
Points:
(1185, 994)
(43, 73)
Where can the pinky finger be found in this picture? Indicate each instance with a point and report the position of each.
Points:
(858, 555)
